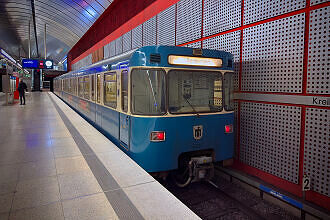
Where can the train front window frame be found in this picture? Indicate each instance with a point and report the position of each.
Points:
(228, 91)
(194, 91)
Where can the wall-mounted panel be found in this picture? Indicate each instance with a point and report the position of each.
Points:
(228, 42)
(166, 26)
(189, 20)
(119, 45)
(195, 45)
(318, 79)
(257, 10)
(221, 15)
(273, 56)
(317, 150)
(150, 32)
(270, 138)
(316, 2)
(127, 42)
(106, 51)
(137, 37)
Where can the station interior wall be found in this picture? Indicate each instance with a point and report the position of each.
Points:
(281, 67)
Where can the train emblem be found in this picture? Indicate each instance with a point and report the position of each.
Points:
(198, 132)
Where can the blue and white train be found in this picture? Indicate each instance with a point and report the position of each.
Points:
(169, 108)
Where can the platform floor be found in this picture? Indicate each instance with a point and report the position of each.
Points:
(54, 165)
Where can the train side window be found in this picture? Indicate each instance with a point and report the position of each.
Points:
(81, 87)
(124, 90)
(110, 89)
(98, 88)
(86, 87)
(93, 87)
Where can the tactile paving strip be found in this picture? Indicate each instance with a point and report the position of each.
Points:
(228, 42)
(317, 149)
(166, 26)
(149, 32)
(127, 41)
(137, 37)
(257, 10)
(270, 138)
(273, 56)
(318, 79)
(221, 15)
(189, 20)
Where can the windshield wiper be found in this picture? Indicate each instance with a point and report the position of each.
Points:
(185, 98)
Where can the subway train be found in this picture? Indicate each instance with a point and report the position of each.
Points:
(169, 108)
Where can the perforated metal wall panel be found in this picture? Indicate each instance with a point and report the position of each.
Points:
(221, 15)
(112, 47)
(316, 2)
(273, 56)
(228, 42)
(107, 51)
(166, 26)
(318, 80)
(270, 138)
(317, 149)
(119, 45)
(257, 10)
(127, 41)
(137, 37)
(195, 45)
(189, 20)
(235, 127)
(149, 32)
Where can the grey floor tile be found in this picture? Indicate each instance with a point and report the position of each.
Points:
(5, 202)
(66, 151)
(37, 143)
(63, 142)
(15, 145)
(8, 187)
(37, 153)
(51, 211)
(9, 173)
(11, 157)
(89, 207)
(70, 164)
(77, 184)
(42, 168)
(4, 216)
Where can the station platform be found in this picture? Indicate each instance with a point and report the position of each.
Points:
(55, 165)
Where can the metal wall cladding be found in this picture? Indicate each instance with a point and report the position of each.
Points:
(273, 56)
(195, 45)
(166, 26)
(257, 10)
(83, 62)
(318, 79)
(228, 42)
(127, 41)
(316, 2)
(270, 138)
(317, 149)
(150, 32)
(137, 37)
(106, 51)
(220, 16)
(110, 49)
(189, 20)
(119, 45)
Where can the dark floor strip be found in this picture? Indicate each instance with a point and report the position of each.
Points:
(119, 201)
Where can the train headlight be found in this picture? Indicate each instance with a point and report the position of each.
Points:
(157, 136)
(228, 129)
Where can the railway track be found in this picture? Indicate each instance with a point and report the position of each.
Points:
(222, 199)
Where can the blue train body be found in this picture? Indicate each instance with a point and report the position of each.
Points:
(131, 132)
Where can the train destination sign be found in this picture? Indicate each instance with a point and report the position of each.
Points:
(37, 64)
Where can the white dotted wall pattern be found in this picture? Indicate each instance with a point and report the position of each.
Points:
(270, 138)
(127, 41)
(221, 15)
(273, 56)
(149, 32)
(112, 47)
(318, 79)
(195, 45)
(235, 127)
(316, 2)
(317, 149)
(228, 42)
(106, 49)
(137, 37)
(189, 20)
(166, 26)
(257, 10)
(119, 45)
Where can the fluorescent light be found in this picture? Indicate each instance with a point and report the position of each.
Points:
(194, 61)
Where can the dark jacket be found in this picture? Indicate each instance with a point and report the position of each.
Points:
(21, 87)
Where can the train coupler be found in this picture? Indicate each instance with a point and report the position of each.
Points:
(201, 168)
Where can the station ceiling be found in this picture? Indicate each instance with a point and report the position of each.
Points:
(66, 22)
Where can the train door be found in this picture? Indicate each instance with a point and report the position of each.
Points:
(92, 95)
(98, 110)
(124, 118)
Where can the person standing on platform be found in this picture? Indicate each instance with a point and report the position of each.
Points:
(21, 90)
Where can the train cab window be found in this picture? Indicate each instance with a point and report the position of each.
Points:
(124, 90)
(98, 88)
(228, 87)
(148, 92)
(93, 87)
(81, 87)
(194, 91)
(110, 89)
(86, 87)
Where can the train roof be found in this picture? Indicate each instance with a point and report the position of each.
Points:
(155, 56)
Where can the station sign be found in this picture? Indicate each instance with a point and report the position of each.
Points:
(37, 64)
